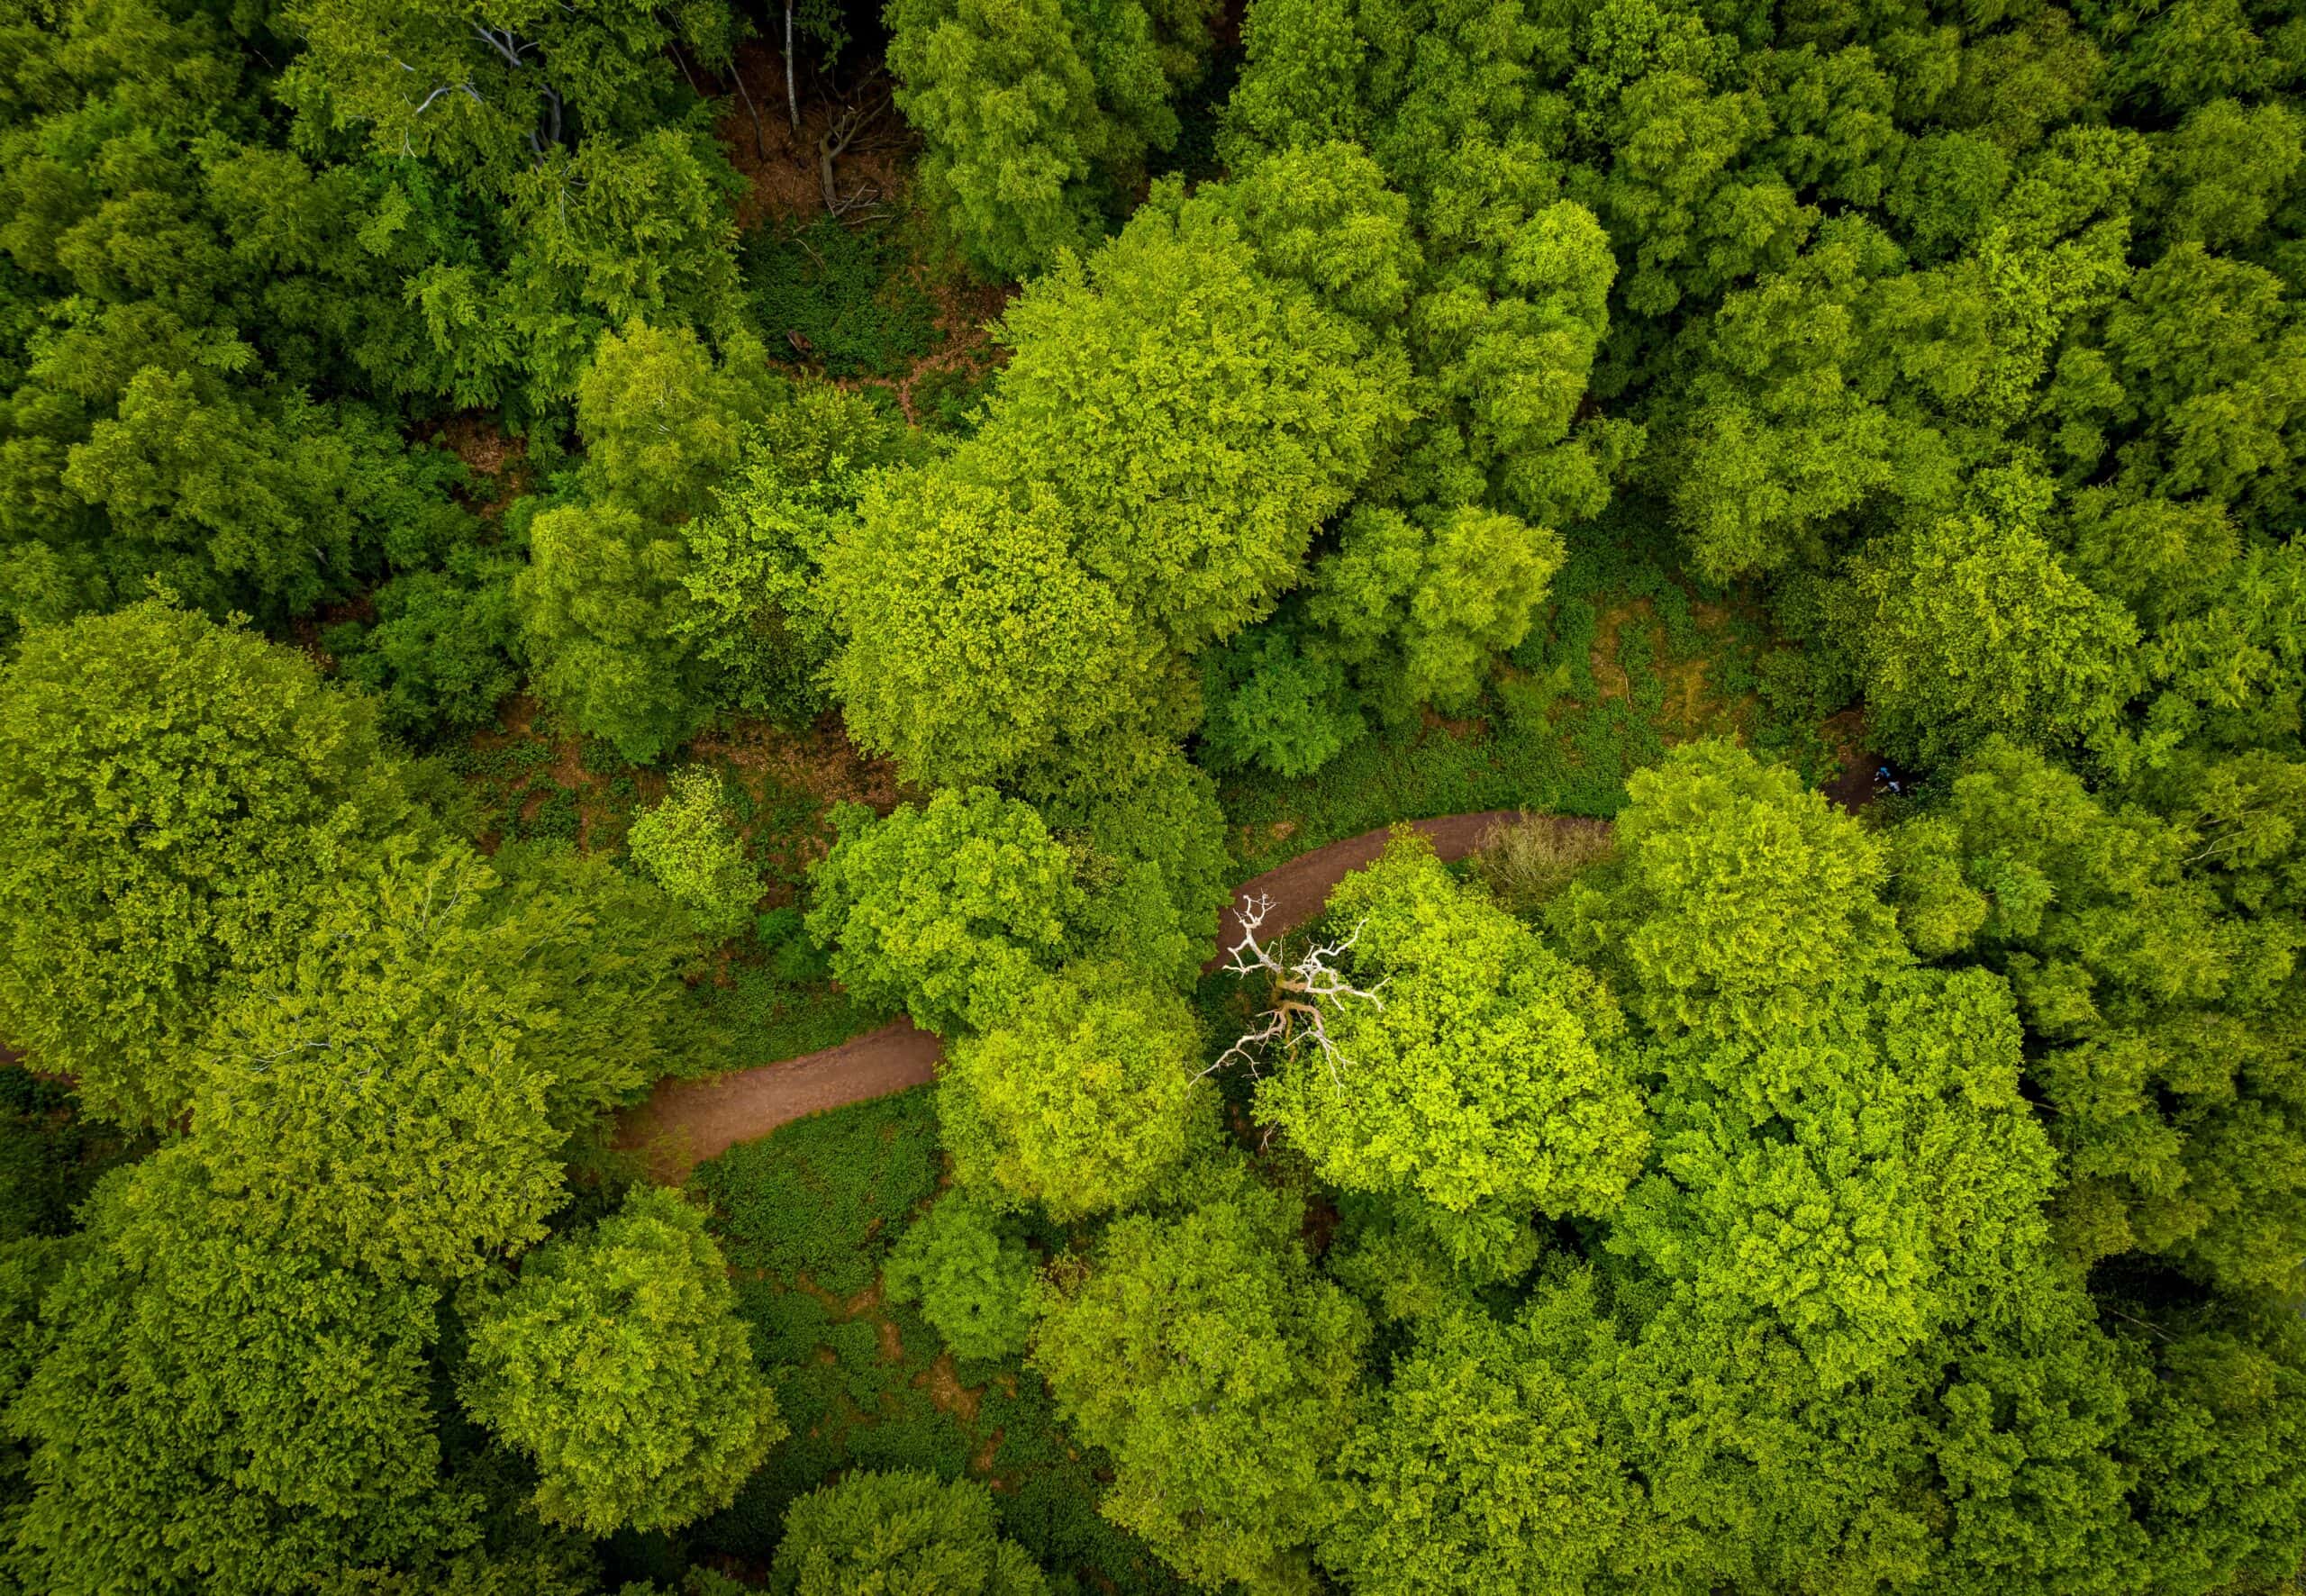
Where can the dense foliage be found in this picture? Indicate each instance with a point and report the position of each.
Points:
(548, 548)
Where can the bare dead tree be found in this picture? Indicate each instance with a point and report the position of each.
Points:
(1306, 991)
(835, 141)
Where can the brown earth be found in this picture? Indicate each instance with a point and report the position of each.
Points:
(686, 1122)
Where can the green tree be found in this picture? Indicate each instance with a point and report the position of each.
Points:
(902, 1533)
(1862, 1175)
(1202, 1354)
(1421, 611)
(1969, 630)
(1083, 1098)
(975, 648)
(617, 1363)
(1268, 704)
(973, 1283)
(952, 910)
(1480, 1469)
(398, 1093)
(1199, 416)
(1481, 1069)
(1037, 113)
(1170, 431)
(213, 1412)
(439, 656)
(1151, 856)
(173, 793)
(600, 604)
(688, 845)
(662, 424)
(2152, 959)
(756, 612)
(1735, 897)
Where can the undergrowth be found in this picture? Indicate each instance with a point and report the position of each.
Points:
(806, 1217)
(1622, 661)
(847, 299)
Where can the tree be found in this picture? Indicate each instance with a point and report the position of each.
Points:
(1232, 414)
(489, 96)
(439, 656)
(1480, 1469)
(951, 911)
(1268, 704)
(1171, 429)
(1480, 1070)
(173, 793)
(973, 1283)
(1419, 612)
(1152, 857)
(617, 1363)
(975, 648)
(1083, 1100)
(689, 846)
(2151, 959)
(398, 1093)
(1735, 897)
(599, 606)
(1966, 629)
(1862, 1176)
(1036, 113)
(215, 1412)
(899, 1533)
(661, 422)
(756, 611)
(1202, 1354)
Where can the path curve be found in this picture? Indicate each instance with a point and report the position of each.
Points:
(684, 1122)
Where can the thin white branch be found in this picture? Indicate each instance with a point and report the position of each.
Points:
(1306, 991)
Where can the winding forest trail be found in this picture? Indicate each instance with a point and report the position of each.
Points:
(684, 1122)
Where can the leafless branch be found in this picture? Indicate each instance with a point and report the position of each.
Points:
(1307, 992)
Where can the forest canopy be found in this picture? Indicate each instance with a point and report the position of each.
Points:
(1576, 727)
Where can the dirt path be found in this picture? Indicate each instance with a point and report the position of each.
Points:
(686, 1122)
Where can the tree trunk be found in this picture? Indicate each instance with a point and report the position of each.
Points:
(792, 94)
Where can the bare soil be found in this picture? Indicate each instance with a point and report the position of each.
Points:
(686, 1122)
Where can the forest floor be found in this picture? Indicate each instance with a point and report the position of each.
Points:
(684, 1122)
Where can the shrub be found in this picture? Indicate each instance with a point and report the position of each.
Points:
(688, 845)
(973, 1283)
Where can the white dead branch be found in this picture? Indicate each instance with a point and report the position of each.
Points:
(1306, 992)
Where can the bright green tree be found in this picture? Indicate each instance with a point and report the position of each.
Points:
(973, 1283)
(618, 1364)
(756, 610)
(975, 648)
(1480, 1469)
(398, 1093)
(662, 423)
(2152, 959)
(1171, 429)
(1969, 630)
(688, 845)
(214, 1412)
(1421, 612)
(1198, 416)
(1037, 113)
(1480, 1068)
(600, 605)
(173, 793)
(899, 1533)
(1735, 896)
(1083, 1098)
(1201, 1352)
(951, 910)
(1862, 1175)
